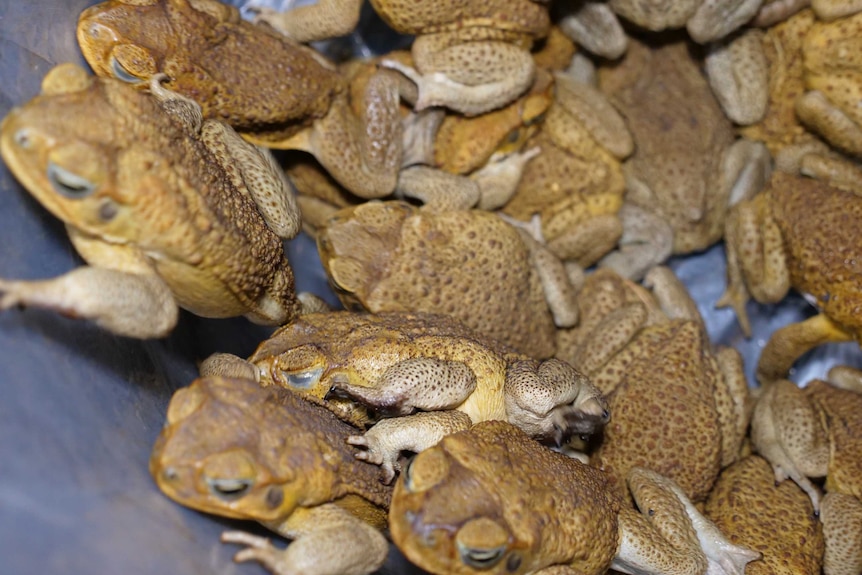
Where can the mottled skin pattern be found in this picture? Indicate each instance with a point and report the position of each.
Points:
(490, 500)
(678, 407)
(227, 64)
(799, 233)
(233, 448)
(813, 432)
(394, 257)
(777, 520)
(197, 44)
(833, 78)
(167, 209)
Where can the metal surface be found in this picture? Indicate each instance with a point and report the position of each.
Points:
(80, 408)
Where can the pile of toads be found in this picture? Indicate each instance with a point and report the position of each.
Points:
(517, 384)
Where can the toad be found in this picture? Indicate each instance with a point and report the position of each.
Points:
(226, 64)
(679, 408)
(687, 167)
(397, 363)
(391, 256)
(235, 449)
(471, 57)
(169, 210)
(833, 79)
(814, 432)
(572, 190)
(491, 500)
(777, 520)
(799, 232)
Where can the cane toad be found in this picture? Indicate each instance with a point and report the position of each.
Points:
(471, 57)
(397, 363)
(233, 448)
(801, 233)
(390, 256)
(687, 167)
(491, 500)
(167, 209)
(777, 520)
(679, 408)
(227, 65)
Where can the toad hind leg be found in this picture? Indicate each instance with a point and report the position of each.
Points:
(128, 304)
(327, 540)
(668, 535)
(552, 400)
(388, 438)
(421, 383)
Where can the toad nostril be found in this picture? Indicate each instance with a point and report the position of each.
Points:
(170, 474)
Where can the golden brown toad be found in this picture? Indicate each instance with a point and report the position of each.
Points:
(801, 233)
(232, 448)
(470, 56)
(167, 209)
(814, 432)
(491, 500)
(833, 79)
(227, 65)
(777, 520)
(679, 408)
(687, 167)
(398, 363)
(391, 256)
(574, 185)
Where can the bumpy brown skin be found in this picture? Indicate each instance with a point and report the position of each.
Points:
(395, 257)
(822, 228)
(165, 202)
(204, 50)
(295, 454)
(665, 416)
(516, 16)
(842, 415)
(777, 520)
(679, 408)
(552, 510)
(358, 348)
(680, 135)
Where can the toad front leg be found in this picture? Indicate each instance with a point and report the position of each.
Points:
(385, 442)
(327, 540)
(552, 400)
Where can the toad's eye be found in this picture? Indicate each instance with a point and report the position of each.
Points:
(121, 73)
(68, 184)
(304, 379)
(229, 489)
(481, 558)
